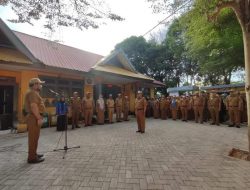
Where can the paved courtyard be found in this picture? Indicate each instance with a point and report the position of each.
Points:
(170, 155)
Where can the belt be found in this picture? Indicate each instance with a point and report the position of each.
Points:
(140, 109)
(87, 108)
(110, 107)
(233, 106)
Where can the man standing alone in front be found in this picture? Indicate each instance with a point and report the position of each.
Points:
(140, 109)
(35, 107)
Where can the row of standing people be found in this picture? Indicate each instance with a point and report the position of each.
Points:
(87, 107)
(200, 106)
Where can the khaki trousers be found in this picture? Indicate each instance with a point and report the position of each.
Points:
(140, 117)
(184, 113)
(75, 118)
(110, 114)
(118, 113)
(174, 113)
(88, 114)
(33, 136)
(198, 114)
(214, 113)
(234, 115)
(125, 114)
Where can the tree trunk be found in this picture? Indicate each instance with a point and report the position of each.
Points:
(246, 39)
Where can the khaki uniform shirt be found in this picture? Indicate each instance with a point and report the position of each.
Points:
(140, 104)
(110, 103)
(34, 97)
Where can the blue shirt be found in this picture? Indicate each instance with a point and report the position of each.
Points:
(61, 108)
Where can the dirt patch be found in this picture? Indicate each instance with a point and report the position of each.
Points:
(240, 154)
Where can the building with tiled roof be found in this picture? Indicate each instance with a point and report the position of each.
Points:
(65, 69)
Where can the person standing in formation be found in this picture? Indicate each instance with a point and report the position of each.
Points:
(88, 109)
(75, 109)
(140, 110)
(184, 108)
(214, 107)
(118, 107)
(174, 108)
(35, 107)
(61, 112)
(163, 108)
(198, 106)
(100, 109)
(156, 107)
(110, 106)
(125, 108)
(234, 105)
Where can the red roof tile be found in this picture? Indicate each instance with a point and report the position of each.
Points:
(57, 55)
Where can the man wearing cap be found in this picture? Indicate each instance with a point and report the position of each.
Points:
(125, 108)
(110, 106)
(88, 109)
(234, 105)
(198, 105)
(140, 109)
(156, 107)
(75, 109)
(214, 107)
(118, 107)
(100, 109)
(35, 107)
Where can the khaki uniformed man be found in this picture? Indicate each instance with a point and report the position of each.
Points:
(214, 107)
(140, 110)
(110, 106)
(88, 108)
(35, 107)
(118, 108)
(125, 108)
(174, 107)
(184, 104)
(156, 107)
(234, 105)
(163, 108)
(198, 106)
(100, 109)
(75, 109)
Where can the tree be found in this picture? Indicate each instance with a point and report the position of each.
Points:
(151, 59)
(218, 47)
(77, 13)
(241, 8)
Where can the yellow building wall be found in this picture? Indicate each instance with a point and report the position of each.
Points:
(152, 92)
(12, 55)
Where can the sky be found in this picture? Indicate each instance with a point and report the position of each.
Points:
(139, 18)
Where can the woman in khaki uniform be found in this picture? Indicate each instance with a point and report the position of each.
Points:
(35, 107)
(125, 108)
(140, 110)
(156, 108)
(100, 109)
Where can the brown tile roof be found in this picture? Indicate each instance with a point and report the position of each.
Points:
(57, 55)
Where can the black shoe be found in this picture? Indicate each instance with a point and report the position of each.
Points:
(230, 125)
(142, 131)
(78, 126)
(138, 131)
(237, 126)
(38, 160)
(39, 155)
